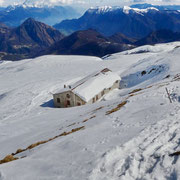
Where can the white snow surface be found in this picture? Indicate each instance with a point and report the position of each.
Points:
(153, 49)
(93, 84)
(125, 9)
(102, 9)
(131, 143)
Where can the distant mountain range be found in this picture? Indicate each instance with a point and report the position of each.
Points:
(26, 40)
(132, 22)
(160, 7)
(89, 42)
(33, 38)
(16, 15)
(159, 36)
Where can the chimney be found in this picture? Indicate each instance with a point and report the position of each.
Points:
(64, 86)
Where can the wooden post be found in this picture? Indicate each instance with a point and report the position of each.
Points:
(168, 95)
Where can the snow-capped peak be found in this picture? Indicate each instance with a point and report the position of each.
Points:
(103, 9)
(127, 9)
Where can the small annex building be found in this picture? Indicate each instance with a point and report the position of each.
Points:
(88, 90)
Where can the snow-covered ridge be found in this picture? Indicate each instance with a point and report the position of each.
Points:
(125, 9)
(102, 9)
(149, 48)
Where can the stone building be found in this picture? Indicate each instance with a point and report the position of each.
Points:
(88, 90)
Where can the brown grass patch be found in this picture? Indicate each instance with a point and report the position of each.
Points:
(92, 117)
(37, 144)
(98, 109)
(18, 151)
(43, 142)
(119, 106)
(71, 125)
(85, 120)
(77, 129)
(131, 95)
(89, 119)
(135, 90)
(149, 87)
(11, 157)
(8, 158)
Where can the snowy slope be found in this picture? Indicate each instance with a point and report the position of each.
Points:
(127, 135)
(125, 9)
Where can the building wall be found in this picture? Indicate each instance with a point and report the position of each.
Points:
(69, 99)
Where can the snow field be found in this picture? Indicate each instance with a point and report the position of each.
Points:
(131, 143)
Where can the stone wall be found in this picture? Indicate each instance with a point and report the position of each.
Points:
(67, 99)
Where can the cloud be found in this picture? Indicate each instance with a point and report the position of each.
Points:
(1, 2)
(157, 1)
(88, 2)
(135, 1)
(61, 1)
(68, 1)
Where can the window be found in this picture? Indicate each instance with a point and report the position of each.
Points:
(102, 93)
(78, 104)
(96, 97)
(117, 81)
(68, 103)
(58, 100)
(67, 95)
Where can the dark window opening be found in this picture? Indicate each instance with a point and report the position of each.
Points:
(102, 93)
(79, 104)
(96, 97)
(117, 81)
(93, 100)
(68, 103)
(58, 100)
(67, 95)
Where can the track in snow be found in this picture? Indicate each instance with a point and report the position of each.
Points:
(144, 157)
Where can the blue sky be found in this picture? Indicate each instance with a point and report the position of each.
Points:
(90, 2)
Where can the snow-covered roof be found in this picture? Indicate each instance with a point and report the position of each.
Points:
(90, 86)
